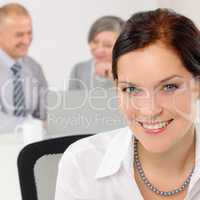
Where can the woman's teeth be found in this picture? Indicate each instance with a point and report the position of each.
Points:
(157, 125)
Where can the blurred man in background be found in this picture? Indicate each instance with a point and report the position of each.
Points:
(22, 82)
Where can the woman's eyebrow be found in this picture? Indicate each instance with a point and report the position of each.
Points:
(161, 81)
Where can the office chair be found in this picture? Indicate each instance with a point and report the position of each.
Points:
(38, 164)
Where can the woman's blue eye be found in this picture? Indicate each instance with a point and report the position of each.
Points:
(170, 87)
(131, 90)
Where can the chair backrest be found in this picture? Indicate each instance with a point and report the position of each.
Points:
(78, 112)
(37, 167)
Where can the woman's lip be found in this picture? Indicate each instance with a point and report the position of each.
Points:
(166, 121)
(156, 131)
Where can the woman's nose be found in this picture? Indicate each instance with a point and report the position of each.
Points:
(149, 105)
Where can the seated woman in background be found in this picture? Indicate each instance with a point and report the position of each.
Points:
(96, 72)
(156, 67)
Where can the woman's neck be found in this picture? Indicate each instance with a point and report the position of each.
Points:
(177, 160)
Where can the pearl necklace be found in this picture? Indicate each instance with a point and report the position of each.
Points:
(149, 185)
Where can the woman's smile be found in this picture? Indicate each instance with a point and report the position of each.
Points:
(155, 127)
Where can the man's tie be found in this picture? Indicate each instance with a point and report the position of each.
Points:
(18, 92)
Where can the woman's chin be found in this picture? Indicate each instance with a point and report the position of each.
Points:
(157, 147)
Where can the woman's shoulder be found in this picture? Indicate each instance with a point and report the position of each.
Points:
(95, 143)
(82, 64)
(86, 155)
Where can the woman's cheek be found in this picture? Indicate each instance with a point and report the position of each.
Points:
(127, 110)
(183, 106)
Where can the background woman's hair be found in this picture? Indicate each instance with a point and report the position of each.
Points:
(105, 23)
(172, 29)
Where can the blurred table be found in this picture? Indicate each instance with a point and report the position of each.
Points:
(10, 146)
(9, 182)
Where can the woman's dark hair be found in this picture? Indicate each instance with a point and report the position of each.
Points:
(105, 23)
(174, 30)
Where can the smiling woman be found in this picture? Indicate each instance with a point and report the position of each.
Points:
(156, 67)
(157, 99)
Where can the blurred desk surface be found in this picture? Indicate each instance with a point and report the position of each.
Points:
(9, 182)
(10, 146)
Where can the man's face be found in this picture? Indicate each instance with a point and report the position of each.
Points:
(16, 35)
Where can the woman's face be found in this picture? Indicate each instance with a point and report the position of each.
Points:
(101, 46)
(157, 96)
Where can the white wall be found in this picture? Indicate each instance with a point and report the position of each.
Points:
(61, 27)
(190, 8)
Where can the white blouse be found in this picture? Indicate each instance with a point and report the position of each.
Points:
(100, 168)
